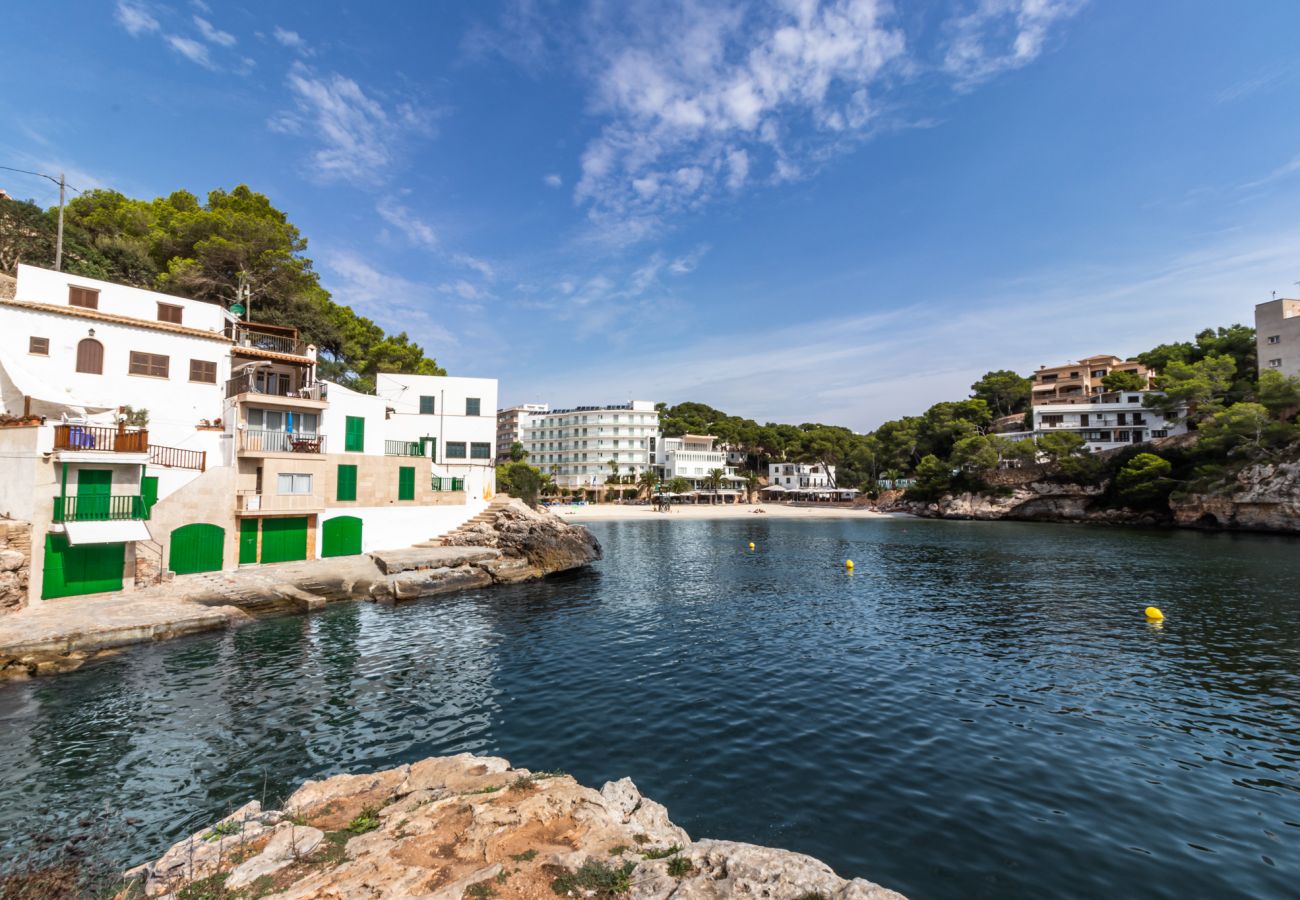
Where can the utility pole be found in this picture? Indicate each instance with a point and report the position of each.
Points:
(58, 246)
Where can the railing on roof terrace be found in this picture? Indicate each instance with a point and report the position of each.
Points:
(99, 437)
(405, 448)
(448, 484)
(259, 441)
(100, 508)
(254, 339)
(178, 458)
(246, 383)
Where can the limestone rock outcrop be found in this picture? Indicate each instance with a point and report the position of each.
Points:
(1261, 497)
(461, 826)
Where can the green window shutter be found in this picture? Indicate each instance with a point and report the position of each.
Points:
(406, 483)
(347, 482)
(354, 438)
(149, 490)
(94, 488)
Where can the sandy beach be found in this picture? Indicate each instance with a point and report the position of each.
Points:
(598, 512)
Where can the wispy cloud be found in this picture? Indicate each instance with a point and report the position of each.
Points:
(212, 34)
(291, 39)
(190, 49)
(135, 18)
(1000, 35)
(1283, 171)
(394, 302)
(360, 135)
(553, 180)
(411, 226)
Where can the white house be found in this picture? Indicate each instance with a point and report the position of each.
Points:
(693, 457)
(1105, 421)
(800, 475)
(577, 446)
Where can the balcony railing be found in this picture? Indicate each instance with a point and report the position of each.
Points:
(100, 508)
(178, 458)
(246, 383)
(405, 448)
(97, 437)
(252, 501)
(257, 441)
(448, 484)
(253, 339)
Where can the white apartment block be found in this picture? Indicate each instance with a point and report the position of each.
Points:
(1104, 421)
(800, 476)
(576, 445)
(511, 424)
(1277, 336)
(144, 432)
(693, 457)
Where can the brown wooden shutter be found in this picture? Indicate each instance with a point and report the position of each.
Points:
(168, 312)
(85, 297)
(90, 356)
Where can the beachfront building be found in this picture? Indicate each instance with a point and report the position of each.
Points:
(511, 423)
(450, 420)
(803, 481)
(581, 447)
(1078, 381)
(695, 457)
(144, 433)
(1277, 336)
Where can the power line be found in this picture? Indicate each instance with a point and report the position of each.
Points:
(63, 185)
(40, 175)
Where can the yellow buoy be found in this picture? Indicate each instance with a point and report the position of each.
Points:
(751, 545)
(1154, 614)
(848, 564)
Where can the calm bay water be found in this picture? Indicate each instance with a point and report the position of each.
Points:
(980, 710)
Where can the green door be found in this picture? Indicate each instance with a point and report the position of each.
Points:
(197, 548)
(247, 541)
(341, 536)
(284, 540)
(406, 483)
(354, 434)
(84, 569)
(149, 492)
(94, 488)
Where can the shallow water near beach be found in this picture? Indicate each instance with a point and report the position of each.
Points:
(981, 710)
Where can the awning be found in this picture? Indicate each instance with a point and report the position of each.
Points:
(47, 399)
(106, 532)
(773, 487)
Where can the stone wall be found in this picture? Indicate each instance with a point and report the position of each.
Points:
(15, 564)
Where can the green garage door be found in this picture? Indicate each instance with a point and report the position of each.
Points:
(284, 540)
(247, 541)
(341, 536)
(85, 569)
(197, 548)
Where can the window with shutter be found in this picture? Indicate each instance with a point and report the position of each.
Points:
(150, 364)
(354, 434)
(406, 483)
(87, 298)
(90, 357)
(347, 483)
(38, 346)
(169, 312)
(203, 370)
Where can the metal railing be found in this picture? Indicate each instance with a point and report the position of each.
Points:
(246, 383)
(100, 437)
(258, 441)
(100, 508)
(254, 339)
(178, 458)
(252, 501)
(448, 484)
(405, 448)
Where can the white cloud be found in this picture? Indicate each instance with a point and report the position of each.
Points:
(360, 136)
(1282, 171)
(553, 180)
(190, 49)
(212, 34)
(134, 18)
(483, 267)
(1000, 35)
(290, 39)
(414, 229)
(463, 289)
(395, 303)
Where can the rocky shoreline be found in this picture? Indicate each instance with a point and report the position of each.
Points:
(455, 827)
(511, 543)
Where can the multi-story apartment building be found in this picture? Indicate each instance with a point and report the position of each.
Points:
(1277, 336)
(693, 457)
(144, 432)
(450, 419)
(581, 447)
(1077, 382)
(511, 424)
(1104, 421)
(804, 476)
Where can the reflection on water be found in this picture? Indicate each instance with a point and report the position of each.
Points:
(980, 710)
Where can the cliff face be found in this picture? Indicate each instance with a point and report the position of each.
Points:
(447, 828)
(1260, 498)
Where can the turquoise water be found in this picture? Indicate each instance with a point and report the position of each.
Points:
(980, 711)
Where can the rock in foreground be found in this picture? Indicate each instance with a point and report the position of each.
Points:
(453, 827)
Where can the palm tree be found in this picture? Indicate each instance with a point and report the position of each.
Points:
(752, 481)
(714, 481)
(647, 483)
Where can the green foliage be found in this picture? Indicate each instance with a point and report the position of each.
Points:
(678, 485)
(1003, 391)
(518, 479)
(1060, 444)
(679, 867)
(1124, 381)
(662, 852)
(975, 453)
(223, 829)
(1144, 479)
(1279, 393)
(517, 452)
(933, 478)
(526, 856)
(1198, 387)
(596, 876)
(1246, 429)
(480, 890)
(367, 820)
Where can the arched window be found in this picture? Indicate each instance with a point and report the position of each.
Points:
(90, 356)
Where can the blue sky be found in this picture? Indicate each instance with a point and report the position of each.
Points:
(835, 211)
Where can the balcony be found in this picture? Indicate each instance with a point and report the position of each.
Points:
(406, 448)
(106, 439)
(256, 441)
(270, 341)
(178, 458)
(100, 508)
(252, 502)
(314, 393)
(448, 484)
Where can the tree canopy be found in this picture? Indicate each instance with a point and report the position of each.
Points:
(234, 242)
